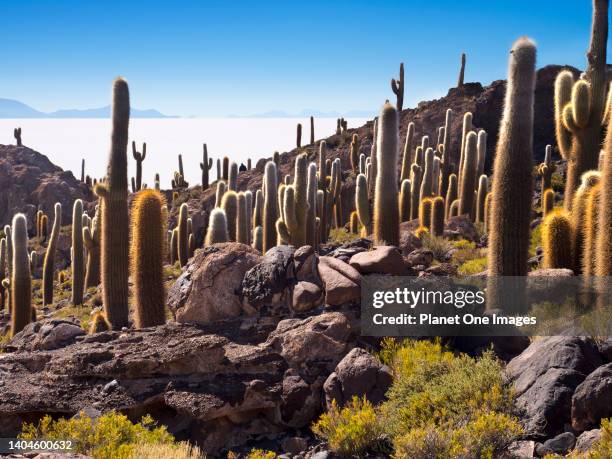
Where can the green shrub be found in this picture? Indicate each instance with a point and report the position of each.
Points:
(111, 436)
(350, 430)
(466, 251)
(261, 454)
(474, 266)
(340, 236)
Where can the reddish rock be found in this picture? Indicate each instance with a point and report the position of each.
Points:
(306, 296)
(341, 281)
(420, 257)
(383, 260)
(461, 227)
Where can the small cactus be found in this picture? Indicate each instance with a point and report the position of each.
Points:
(557, 241)
(548, 202)
(99, 324)
(17, 134)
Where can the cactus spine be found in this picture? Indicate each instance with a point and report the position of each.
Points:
(437, 216)
(512, 189)
(91, 239)
(21, 279)
(139, 157)
(78, 263)
(557, 241)
(115, 225)
(386, 211)
(206, 165)
(49, 263)
(217, 227)
(147, 254)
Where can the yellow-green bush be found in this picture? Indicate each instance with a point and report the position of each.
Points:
(475, 266)
(440, 404)
(466, 251)
(181, 450)
(437, 244)
(261, 454)
(111, 436)
(340, 236)
(349, 430)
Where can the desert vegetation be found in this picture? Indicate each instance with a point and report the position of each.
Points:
(227, 310)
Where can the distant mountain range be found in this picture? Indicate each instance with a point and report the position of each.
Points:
(10, 108)
(310, 112)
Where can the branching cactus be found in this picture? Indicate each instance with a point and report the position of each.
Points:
(206, 165)
(91, 239)
(78, 264)
(114, 212)
(451, 194)
(49, 263)
(397, 86)
(546, 170)
(580, 106)
(139, 157)
(147, 255)
(405, 200)
(21, 278)
(437, 216)
(217, 227)
(386, 210)
(407, 156)
(362, 205)
(557, 241)
(17, 135)
(512, 184)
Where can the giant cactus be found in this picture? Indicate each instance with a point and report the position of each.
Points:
(293, 222)
(78, 264)
(512, 184)
(114, 211)
(468, 176)
(386, 211)
(147, 254)
(362, 204)
(49, 263)
(407, 156)
(580, 105)
(21, 279)
(578, 215)
(603, 261)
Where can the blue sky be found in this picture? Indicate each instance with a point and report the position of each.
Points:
(214, 58)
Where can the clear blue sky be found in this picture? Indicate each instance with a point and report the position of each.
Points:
(214, 58)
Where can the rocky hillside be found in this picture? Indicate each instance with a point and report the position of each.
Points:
(29, 181)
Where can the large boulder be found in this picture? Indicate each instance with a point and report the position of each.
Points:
(382, 260)
(461, 227)
(592, 400)
(266, 282)
(545, 376)
(358, 374)
(210, 287)
(46, 335)
(342, 282)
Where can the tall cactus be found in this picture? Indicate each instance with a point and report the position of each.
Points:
(3, 263)
(114, 211)
(512, 188)
(232, 183)
(468, 176)
(557, 241)
(407, 156)
(21, 278)
(312, 134)
(578, 215)
(173, 246)
(311, 214)
(415, 190)
(548, 202)
(139, 157)
(482, 152)
(591, 217)
(206, 165)
(580, 106)
(437, 216)
(78, 264)
(427, 180)
(91, 238)
(386, 211)
(362, 204)
(354, 153)
(483, 186)
(242, 229)
(146, 255)
(294, 217)
(466, 129)
(425, 213)
(221, 189)
(230, 206)
(461, 71)
(258, 209)
(226, 163)
(603, 262)
(451, 194)
(217, 227)
(270, 207)
(183, 235)
(298, 139)
(49, 263)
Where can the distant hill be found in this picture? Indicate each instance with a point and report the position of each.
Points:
(309, 112)
(10, 108)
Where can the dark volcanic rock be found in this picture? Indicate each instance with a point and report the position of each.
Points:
(29, 181)
(592, 400)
